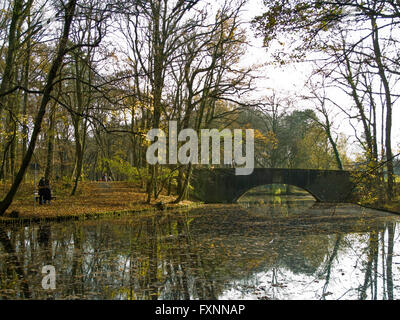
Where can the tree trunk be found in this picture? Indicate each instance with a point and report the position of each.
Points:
(50, 145)
(79, 158)
(388, 98)
(12, 46)
(183, 192)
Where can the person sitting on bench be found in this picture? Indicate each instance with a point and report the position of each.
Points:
(44, 191)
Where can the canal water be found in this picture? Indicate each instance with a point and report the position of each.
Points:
(269, 248)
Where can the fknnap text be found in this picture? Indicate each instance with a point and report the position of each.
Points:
(221, 309)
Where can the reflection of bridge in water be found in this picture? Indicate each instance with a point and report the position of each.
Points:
(222, 185)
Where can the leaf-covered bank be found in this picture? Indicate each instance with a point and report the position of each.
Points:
(92, 199)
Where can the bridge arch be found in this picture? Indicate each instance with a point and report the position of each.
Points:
(254, 190)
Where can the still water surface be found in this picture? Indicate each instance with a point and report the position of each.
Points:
(276, 248)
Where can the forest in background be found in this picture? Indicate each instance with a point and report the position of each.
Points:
(82, 82)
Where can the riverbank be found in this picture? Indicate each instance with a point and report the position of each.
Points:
(392, 206)
(93, 199)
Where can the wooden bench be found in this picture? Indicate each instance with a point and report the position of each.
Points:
(37, 197)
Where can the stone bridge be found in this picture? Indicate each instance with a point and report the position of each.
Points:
(222, 185)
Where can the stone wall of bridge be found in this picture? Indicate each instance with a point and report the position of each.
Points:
(221, 185)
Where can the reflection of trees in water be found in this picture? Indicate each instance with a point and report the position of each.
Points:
(372, 256)
(153, 257)
(376, 253)
(174, 256)
(329, 265)
(135, 261)
(376, 241)
(277, 205)
(389, 261)
(375, 283)
(12, 270)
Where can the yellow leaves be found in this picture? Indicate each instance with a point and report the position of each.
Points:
(259, 136)
(269, 138)
(265, 142)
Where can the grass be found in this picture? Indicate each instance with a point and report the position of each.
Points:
(92, 198)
